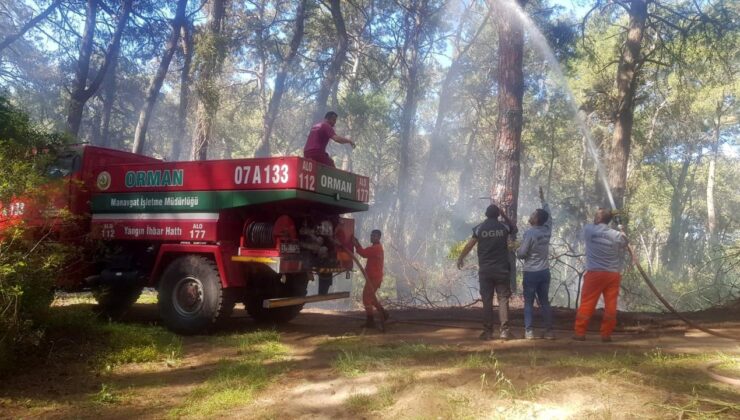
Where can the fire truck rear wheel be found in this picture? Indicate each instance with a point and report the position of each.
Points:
(191, 299)
(294, 286)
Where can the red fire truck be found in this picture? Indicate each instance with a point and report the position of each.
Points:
(206, 234)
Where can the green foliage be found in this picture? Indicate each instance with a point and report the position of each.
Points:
(456, 250)
(29, 259)
(106, 395)
(137, 344)
(113, 344)
(22, 147)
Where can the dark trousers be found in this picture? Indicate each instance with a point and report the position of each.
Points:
(537, 284)
(499, 284)
(325, 281)
(319, 156)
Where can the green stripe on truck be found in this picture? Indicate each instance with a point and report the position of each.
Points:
(198, 201)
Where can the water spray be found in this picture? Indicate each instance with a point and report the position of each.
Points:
(542, 44)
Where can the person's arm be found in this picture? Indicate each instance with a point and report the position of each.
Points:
(512, 226)
(546, 207)
(525, 247)
(617, 237)
(343, 140)
(358, 248)
(466, 250)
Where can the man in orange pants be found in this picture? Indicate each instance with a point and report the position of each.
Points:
(604, 256)
(374, 270)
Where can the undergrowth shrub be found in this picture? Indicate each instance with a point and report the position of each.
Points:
(29, 257)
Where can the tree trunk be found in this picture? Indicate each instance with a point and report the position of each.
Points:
(186, 38)
(626, 85)
(354, 88)
(30, 24)
(109, 97)
(209, 70)
(506, 171)
(672, 251)
(332, 73)
(263, 150)
(80, 91)
(711, 211)
(156, 83)
(412, 53)
(506, 167)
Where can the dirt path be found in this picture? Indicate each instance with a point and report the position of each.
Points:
(429, 364)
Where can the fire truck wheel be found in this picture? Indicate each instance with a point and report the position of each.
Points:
(191, 299)
(294, 286)
(115, 301)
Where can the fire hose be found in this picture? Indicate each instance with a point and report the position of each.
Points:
(354, 258)
(665, 303)
(644, 276)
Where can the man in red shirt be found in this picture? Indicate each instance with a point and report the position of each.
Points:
(318, 138)
(374, 271)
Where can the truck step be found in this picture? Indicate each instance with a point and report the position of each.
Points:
(291, 301)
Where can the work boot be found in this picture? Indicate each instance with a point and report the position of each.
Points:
(528, 334)
(504, 335)
(548, 335)
(579, 337)
(486, 335)
(606, 339)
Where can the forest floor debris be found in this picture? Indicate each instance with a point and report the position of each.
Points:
(323, 365)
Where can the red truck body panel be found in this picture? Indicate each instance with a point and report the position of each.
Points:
(200, 207)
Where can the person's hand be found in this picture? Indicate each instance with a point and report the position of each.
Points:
(351, 143)
(624, 237)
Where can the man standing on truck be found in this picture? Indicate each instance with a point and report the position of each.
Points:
(494, 269)
(374, 271)
(604, 255)
(318, 139)
(535, 250)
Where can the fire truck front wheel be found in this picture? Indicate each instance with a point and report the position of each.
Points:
(191, 299)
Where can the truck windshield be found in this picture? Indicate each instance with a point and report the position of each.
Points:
(66, 164)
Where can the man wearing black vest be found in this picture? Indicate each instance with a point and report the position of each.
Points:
(494, 269)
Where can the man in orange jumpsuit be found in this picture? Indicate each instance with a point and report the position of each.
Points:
(604, 255)
(374, 271)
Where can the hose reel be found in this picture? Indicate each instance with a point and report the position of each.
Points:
(261, 234)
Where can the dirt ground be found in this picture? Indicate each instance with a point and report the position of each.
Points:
(429, 364)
